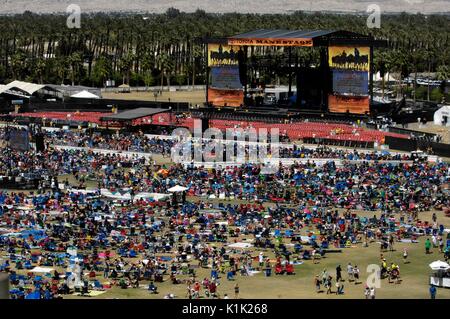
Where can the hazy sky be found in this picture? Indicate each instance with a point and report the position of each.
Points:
(260, 6)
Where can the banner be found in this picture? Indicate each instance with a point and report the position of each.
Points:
(351, 82)
(349, 58)
(352, 104)
(299, 42)
(226, 77)
(222, 55)
(220, 97)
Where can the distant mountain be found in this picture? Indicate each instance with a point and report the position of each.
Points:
(223, 6)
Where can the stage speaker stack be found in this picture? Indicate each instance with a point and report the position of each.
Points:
(205, 124)
(4, 286)
(40, 145)
(242, 60)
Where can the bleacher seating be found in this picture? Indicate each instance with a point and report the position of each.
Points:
(295, 131)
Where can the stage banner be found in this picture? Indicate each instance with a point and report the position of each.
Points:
(288, 42)
(225, 77)
(222, 55)
(349, 58)
(351, 82)
(220, 97)
(352, 104)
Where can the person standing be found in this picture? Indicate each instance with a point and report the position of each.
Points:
(317, 283)
(367, 292)
(441, 244)
(405, 255)
(328, 284)
(427, 246)
(338, 287)
(350, 272)
(106, 270)
(236, 291)
(433, 292)
(338, 273)
(391, 242)
(434, 241)
(372, 293)
(356, 274)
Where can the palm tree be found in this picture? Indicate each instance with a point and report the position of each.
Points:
(166, 66)
(75, 61)
(39, 69)
(18, 65)
(125, 65)
(148, 63)
(101, 70)
(197, 52)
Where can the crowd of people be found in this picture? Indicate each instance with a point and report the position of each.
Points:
(140, 142)
(86, 238)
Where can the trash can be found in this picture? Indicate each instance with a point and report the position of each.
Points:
(4, 286)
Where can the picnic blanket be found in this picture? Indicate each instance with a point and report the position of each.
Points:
(92, 293)
(240, 245)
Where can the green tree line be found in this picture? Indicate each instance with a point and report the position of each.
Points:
(160, 49)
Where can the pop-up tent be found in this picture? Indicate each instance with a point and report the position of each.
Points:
(439, 265)
(442, 116)
(85, 95)
(177, 189)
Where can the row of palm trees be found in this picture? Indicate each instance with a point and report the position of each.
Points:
(159, 48)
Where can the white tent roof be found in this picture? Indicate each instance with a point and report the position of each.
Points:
(85, 95)
(5, 89)
(30, 88)
(387, 75)
(42, 269)
(440, 113)
(177, 188)
(438, 265)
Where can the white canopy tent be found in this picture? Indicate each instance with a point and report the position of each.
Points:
(240, 245)
(85, 95)
(42, 269)
(442, 116)
(177, 189)
(439, 265)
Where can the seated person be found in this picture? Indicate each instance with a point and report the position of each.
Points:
(174, 279)
(279, 269)
(152, 288)
(290, 269)
(123, 284)
(306, 254)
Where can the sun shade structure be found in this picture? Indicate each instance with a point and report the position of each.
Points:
(439, 265)
(85, 95)
(296, 38)
(177, 189)
(134, 114)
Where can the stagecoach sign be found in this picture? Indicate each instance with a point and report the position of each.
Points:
(299, 42)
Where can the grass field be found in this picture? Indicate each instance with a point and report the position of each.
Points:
(414, 275)
(193, 97)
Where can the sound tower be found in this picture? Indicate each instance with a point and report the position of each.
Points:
(242, 60)
(205, 124)
(40, 145)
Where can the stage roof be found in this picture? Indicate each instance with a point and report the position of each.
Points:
(134, 114)
(305, 38)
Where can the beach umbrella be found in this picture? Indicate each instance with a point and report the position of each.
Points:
(439, 265)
